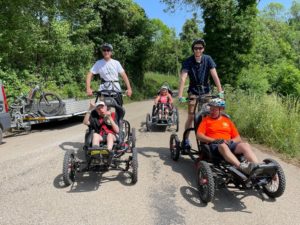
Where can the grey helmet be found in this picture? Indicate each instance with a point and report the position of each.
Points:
(107, 45)
(217, 102)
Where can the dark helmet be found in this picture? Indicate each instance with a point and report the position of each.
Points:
(198, 41)
(106, 45)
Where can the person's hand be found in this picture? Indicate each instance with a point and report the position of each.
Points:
(92, 105)
(128, 92)
(218, 141)
(182, 99)
(89, 92)
(221, 95)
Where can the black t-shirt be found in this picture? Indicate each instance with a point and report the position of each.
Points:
(198, 73)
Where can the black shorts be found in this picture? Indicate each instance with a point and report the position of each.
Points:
(215, 151)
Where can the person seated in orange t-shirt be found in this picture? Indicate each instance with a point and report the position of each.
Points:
(223, 138)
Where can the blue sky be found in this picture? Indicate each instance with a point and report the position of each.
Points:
(154, 9)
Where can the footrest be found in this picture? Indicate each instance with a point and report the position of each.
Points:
(98, 151)
(265, 169)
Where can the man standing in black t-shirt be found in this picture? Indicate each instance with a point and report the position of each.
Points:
(197, 67)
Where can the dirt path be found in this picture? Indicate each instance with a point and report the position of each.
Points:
(31, 189)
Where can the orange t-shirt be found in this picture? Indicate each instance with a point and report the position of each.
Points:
(221, 128)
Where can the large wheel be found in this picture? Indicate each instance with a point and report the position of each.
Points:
(148, 122)
(125, 128)
(205, 182)
(176, 119)
(134, 165)
(133, 138)
(174, 147)
(276, 187)
(49, 104)
(69, 169)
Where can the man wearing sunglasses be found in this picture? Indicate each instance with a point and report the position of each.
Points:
(197, 67)
(109, 70)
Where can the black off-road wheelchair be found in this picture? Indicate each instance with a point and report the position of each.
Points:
(99, 159)
(157, 117)
(215, 173)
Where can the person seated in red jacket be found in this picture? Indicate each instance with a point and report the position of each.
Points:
(107, 127)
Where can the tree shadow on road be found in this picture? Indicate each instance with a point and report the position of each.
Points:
(225, 200)
(90, 181)
(155, 128)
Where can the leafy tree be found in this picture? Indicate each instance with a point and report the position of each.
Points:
(190, 32)
(229, 26)
(165, 49)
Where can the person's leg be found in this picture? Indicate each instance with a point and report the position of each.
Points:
(166, 113)
(245, 149)
(228, 155)
(110, 141)
(159, 114)
(96, 139)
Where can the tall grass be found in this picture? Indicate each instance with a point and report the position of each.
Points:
(267, 119)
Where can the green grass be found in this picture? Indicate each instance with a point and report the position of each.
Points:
(267, 119)
(152, 83)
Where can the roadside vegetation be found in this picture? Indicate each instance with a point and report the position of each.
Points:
(257, 54)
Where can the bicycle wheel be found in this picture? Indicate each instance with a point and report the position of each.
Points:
(49, 104)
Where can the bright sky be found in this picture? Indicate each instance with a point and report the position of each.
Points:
(154, 9)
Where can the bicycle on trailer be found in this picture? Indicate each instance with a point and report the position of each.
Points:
(36, 103)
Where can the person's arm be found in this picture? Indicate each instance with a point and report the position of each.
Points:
(237, 139)
(213, 73)
(183, 77)
(113, 124)
(86, 119)
(156, 99)
(170, 99)
(89, 77)
(127, 83)
(202, 137)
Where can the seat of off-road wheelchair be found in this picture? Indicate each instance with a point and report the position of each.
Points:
(204, 146)
(119, 115)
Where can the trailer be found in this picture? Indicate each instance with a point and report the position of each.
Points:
(70, 108)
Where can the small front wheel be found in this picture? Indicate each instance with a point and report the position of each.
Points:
(205, 182)
(133, 138)
(69, 169)
(49, 104)
(174, 147)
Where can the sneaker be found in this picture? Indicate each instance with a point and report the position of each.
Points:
(247, 167)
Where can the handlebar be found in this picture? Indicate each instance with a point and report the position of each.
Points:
(200, 98)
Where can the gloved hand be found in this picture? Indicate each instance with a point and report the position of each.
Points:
(182, 99)
(221, 94)
(218, 141)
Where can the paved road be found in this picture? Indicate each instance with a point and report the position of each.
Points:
(32, 192)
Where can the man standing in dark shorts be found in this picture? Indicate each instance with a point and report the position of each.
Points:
(197, 67)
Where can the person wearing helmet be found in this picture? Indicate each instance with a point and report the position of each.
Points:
(198, 68)
(223, 138)
(164, 97)
(109, 70)
(103, 121)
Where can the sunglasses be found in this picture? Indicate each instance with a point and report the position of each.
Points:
(198, 48)
(106, 50)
